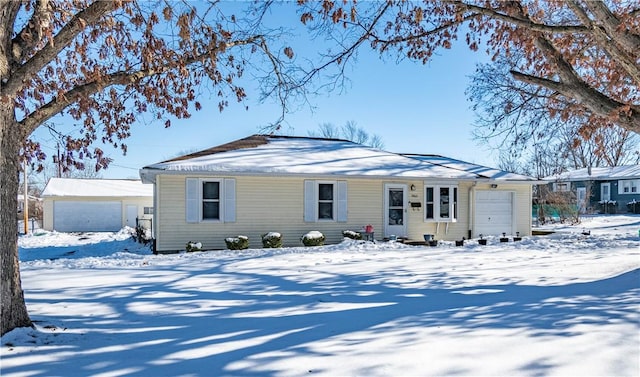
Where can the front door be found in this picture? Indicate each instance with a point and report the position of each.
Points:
(605, 192)
(582, 199)
(395, 210)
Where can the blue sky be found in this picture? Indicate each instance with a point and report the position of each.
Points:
(414, 108)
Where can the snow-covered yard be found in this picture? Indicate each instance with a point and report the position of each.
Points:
(563, 304)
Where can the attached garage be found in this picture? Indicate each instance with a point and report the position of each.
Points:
(95, 205)
(494, 213)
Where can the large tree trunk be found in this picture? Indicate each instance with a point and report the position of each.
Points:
(14, 311)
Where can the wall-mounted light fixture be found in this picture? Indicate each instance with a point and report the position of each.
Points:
(493, 185)
(413, 187)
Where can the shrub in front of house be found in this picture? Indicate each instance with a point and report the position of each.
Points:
(237, 243)
(608, 206)
(272, 240)
(633, 206)
(193, 246)
(313, 238)
(352, 234)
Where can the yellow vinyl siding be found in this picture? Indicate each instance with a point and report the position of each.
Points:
(276, 204)
(263, 204)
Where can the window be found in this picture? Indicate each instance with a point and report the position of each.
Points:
(441, 203)
(561, 187)
(325, 201)
(148, 210)
(629, 186)
(210, 200)
(429, 204)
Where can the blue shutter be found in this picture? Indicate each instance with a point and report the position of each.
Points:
(229, 200)
(310, 201)
(192, 200)
(342, 201)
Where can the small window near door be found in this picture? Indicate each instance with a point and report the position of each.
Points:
(429, 204)
(441, 203)
(445, 210)
(148, 210)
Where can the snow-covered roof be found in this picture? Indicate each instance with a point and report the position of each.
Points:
(481, 171)
(286, 155)
(586, 174)
(97, 187)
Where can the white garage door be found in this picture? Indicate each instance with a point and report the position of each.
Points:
(87, 216)
(494, 213)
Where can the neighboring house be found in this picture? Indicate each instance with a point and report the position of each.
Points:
(605, 190)
(293, 185)
(95, 205)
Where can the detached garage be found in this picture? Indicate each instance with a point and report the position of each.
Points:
(95, 205)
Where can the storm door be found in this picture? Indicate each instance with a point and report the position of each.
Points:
(395, 210)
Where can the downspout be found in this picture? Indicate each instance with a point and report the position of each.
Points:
(471, 195)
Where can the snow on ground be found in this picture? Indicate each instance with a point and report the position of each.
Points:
(562, 304)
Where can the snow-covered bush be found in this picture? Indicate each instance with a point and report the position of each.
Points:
(608, 206)
(272, 240)
(237, 243)
(193, 246)
(313, 238)
(633, 206)
(352, 234)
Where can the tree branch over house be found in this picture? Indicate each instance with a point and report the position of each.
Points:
(103, 64)
(586, 51)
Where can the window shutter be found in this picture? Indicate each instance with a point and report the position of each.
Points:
(229, 200)
(342, 201)
(192, 200)
(310, 201)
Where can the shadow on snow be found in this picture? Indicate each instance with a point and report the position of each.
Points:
(238, 323)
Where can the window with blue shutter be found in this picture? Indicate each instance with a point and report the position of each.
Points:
(210, 200)
(325, 201)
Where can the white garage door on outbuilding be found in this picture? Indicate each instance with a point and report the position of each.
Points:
(494, 212)
(96, 205)
(83, 216)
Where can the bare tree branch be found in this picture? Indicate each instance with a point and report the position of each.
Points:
(626, 59)
(524, 22)
(33, 32)
(57, 104)
(62, 39)
(614, 27)
(347, 52)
